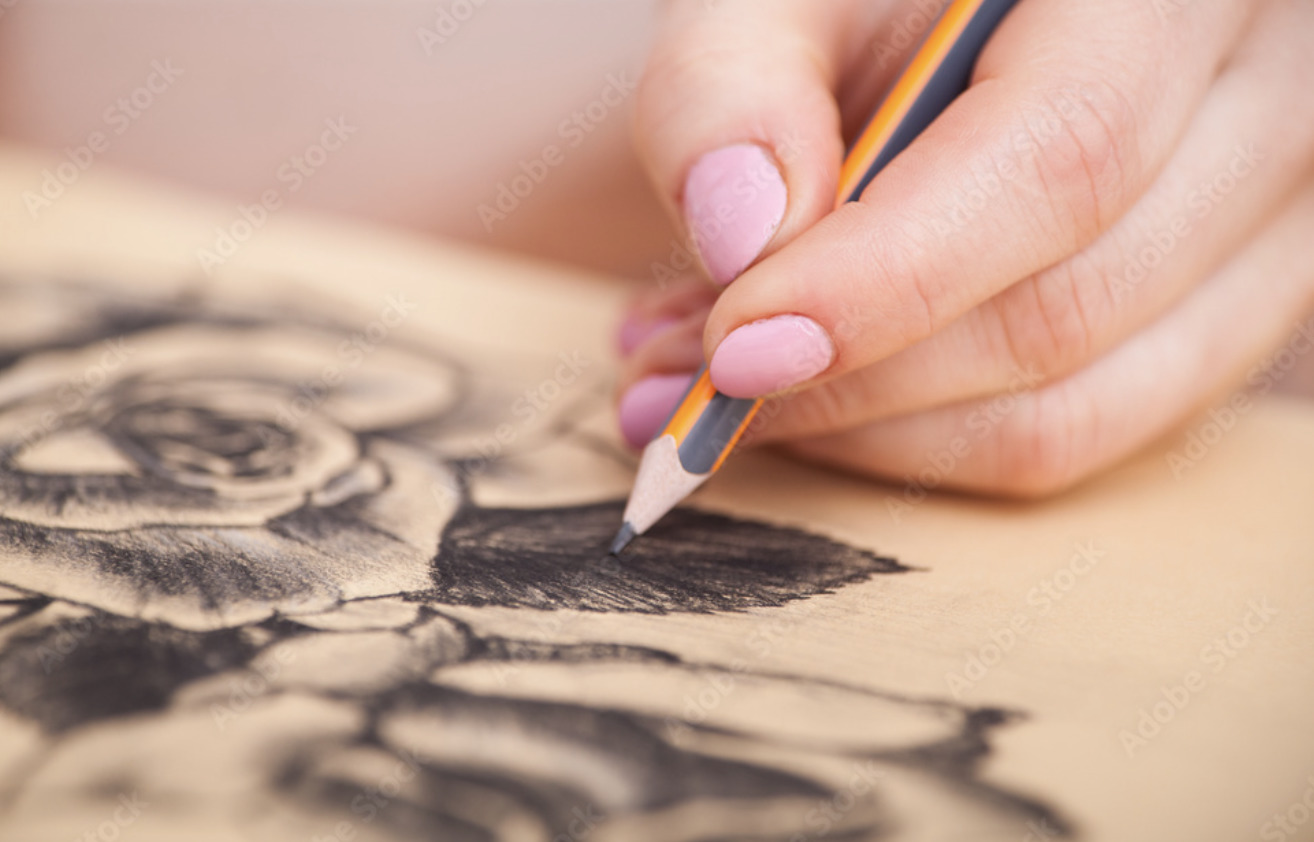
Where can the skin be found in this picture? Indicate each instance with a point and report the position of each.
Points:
(1038, 327)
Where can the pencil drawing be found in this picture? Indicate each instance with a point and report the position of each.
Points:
(261, 536)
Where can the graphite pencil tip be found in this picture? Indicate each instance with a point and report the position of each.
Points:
(623, 538)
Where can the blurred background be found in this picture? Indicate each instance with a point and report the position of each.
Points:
(501, 122)
(440, 113)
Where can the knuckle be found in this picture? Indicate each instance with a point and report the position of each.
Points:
(1084, 135)
(1048, 445)
(675, 70)
(822, 409)
(923, 300)
(1053, 320)
(916, 302)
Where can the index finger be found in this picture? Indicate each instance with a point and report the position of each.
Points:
(1073, 111)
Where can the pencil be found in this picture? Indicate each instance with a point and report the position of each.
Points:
(706, 425)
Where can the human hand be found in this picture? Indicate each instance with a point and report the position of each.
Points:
(1107, 230)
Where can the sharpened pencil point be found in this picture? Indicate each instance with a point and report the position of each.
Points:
(623, 538)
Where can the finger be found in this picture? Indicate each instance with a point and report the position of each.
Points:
(678, 349)
(890, 33)
(1039, 442)
(646, 405)
(658, 308)
(1233, 170)
(1075, 109)
(737, 125)
(655, 379)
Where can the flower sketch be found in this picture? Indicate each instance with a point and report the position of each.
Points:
(250, 571)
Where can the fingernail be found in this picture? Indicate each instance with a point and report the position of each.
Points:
(770, 355)
(635, 331)
(734, 199)
(647, 404)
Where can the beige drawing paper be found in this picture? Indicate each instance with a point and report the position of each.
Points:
(302, 536)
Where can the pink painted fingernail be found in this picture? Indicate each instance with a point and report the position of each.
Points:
(647, 404)
(770, 355)
(734, 199)
(635, 331)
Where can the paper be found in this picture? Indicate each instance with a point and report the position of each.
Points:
(314, 547)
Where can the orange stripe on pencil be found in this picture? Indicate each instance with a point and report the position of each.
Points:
(706, 425)
(864, 159)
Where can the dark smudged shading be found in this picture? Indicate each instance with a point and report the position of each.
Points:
(101, 666)
(61, 673)
(691, 561)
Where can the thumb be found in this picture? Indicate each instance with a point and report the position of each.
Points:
(737, 124)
